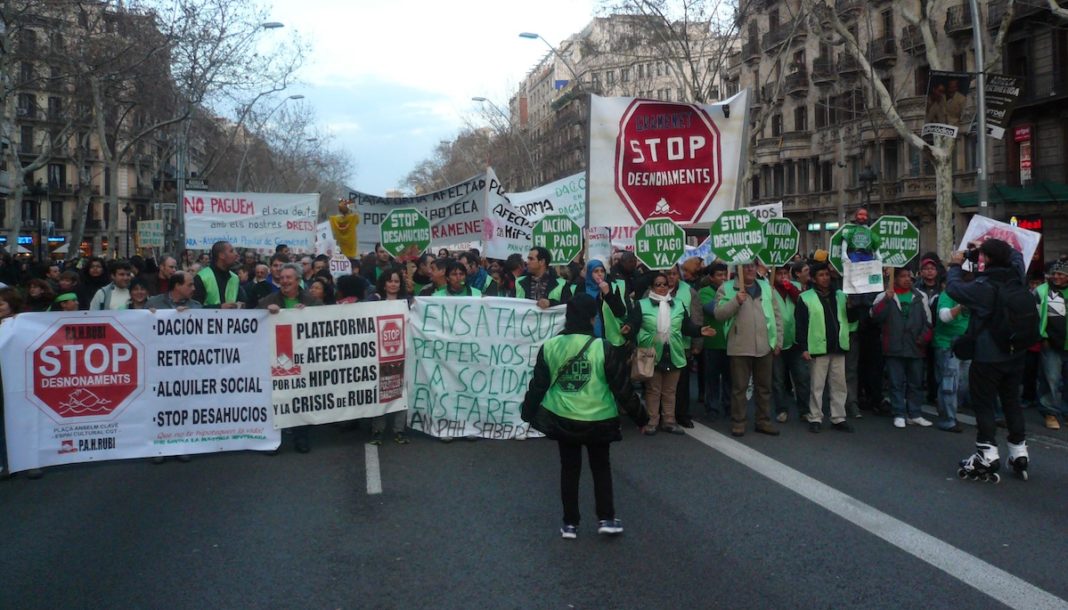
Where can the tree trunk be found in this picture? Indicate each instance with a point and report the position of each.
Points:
(943, 166)
(77, 225)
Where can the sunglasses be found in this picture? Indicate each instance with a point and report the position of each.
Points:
(659, 284)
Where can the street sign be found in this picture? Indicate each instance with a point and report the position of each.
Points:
(899, 240)
(737, 236)
(659, 243)
(781, 239)
(667, 161)
(405, 233)
(560, 235)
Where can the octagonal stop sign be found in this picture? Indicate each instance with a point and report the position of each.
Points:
(668, 161)
(560, 235)
(85, 369)
(899, 240)
(405, 233)
(659, 243)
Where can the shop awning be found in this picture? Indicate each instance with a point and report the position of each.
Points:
(1038, 192)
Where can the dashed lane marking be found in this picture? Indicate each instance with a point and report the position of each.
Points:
(374, 473)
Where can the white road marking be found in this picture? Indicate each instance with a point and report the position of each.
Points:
(374, 474)
(972, 571)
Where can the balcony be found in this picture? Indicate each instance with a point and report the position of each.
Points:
(733, 70)
(912, 108)
(26, 112)
(823, 71)
(847, 9)
(751, 51)
(912, 41)
(847, 64)
(61, 188)
(796, 83)
(959, 20)
(882, 52)
(774, 39)
(996, 11)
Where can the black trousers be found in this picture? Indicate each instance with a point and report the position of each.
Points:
(988, 381)
(571, 470)
(682, 391)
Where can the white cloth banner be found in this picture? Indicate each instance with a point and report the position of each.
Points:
(864, 277)
(981, 228)
(599, 245)
(86, 386)
(250, 220)
(654, 159)
(456, 213)
(509, 223)
(324, 239)
(766, 212)
(338, 362)
(703, 251)
(471, 363)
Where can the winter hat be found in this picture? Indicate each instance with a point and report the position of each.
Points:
(820, 256)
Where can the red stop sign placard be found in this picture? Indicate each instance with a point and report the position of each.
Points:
(391, 338)
(85, 369)
(668, 161)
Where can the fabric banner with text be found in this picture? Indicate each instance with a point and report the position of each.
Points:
(251, 220)
(338, 362)
(91, 386)
(471, 363)
(658, 159)
(509, 223)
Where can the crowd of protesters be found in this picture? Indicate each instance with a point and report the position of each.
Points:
(788, 338)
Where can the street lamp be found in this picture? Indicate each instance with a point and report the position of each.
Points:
(126, 209)
(570, 68)
(248, 144)
(867, 181)
(522, 141)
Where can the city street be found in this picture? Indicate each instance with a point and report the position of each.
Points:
(872, 519)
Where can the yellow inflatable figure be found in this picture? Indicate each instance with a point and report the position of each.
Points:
(343, 226)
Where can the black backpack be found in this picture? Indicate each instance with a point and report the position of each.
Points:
(1014, 322)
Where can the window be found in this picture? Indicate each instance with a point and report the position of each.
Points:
(679, 95)
(890, 160)
(776, 125)
(821, 113)
(641, 70)
(773, 20)
(56, 214)
(3, 212)
(888, 83)
(922, 74)
(55, 108)
(27, 103)
(802, 177)
(610, 77)
(107, 183)
(790, 184)
(57, 175)
(29, 211)
(827, 176)
(659, 68)
(779, 174)
(888, 24)
(26, 139)
(801, 118)
(26, 72)
(960, 62)
(55, 40)
(756, 187)
(624, 75)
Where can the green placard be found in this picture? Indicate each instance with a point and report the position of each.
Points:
(405, 233)
(560, 235)
(737, 237)
(659, 243)
(781, 239)
(899, 240)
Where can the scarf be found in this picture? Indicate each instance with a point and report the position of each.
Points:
(595, 292)
(479, 279)
(663, 317)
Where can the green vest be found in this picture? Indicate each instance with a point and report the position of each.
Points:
(582, 392)
(554, 294)
(684, 290)
(707, 295)
(946, 332)
(1043, 310)
(730, 290)
(647, 333)
(211, 287)
(444, 292)
(817, 322)
(789, 324)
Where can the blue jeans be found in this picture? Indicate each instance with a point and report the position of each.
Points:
(952, 386)
(789, 361)
(1054, 371)
(906, 385)
(717, 381)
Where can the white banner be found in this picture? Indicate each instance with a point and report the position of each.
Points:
(864, 277)
(599, 245)
(981, 228)
(324, 239)
(509, 223)
(100, 385)
(472, 359)
(702, 251)
(766, 212)
(456, 214)
(251, 220)
(623, 238)
(652, 159)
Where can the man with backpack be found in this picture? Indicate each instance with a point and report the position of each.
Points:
(1004, 323)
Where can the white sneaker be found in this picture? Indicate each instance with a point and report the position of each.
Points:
(919, 421)
(899, 422)
(782, 417)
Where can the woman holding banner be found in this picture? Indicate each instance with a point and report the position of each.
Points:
(661, 321)
(390, 287)
(572, 400)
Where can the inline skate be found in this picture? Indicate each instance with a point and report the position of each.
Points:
(1018, 459)
(982, 465)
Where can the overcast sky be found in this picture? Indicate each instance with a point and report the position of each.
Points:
(392, 79)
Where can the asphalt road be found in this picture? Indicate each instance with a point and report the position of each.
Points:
(474, 524)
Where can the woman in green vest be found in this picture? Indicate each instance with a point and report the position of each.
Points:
(661, 321)
(456, 282)
(571, 399)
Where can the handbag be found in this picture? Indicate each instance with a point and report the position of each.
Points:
(643, 364)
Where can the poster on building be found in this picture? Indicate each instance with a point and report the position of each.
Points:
(981, 228)
(470, 364)
(656, 159)
(947, 96)
(337, 362)
(87, 386)
(1002, 92)
(259, 221)
(508, 224)
(456, 213)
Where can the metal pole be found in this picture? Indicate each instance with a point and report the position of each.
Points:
(179, 233)
(980, 85)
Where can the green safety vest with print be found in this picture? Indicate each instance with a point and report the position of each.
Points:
(817, 322)
(581, 392)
